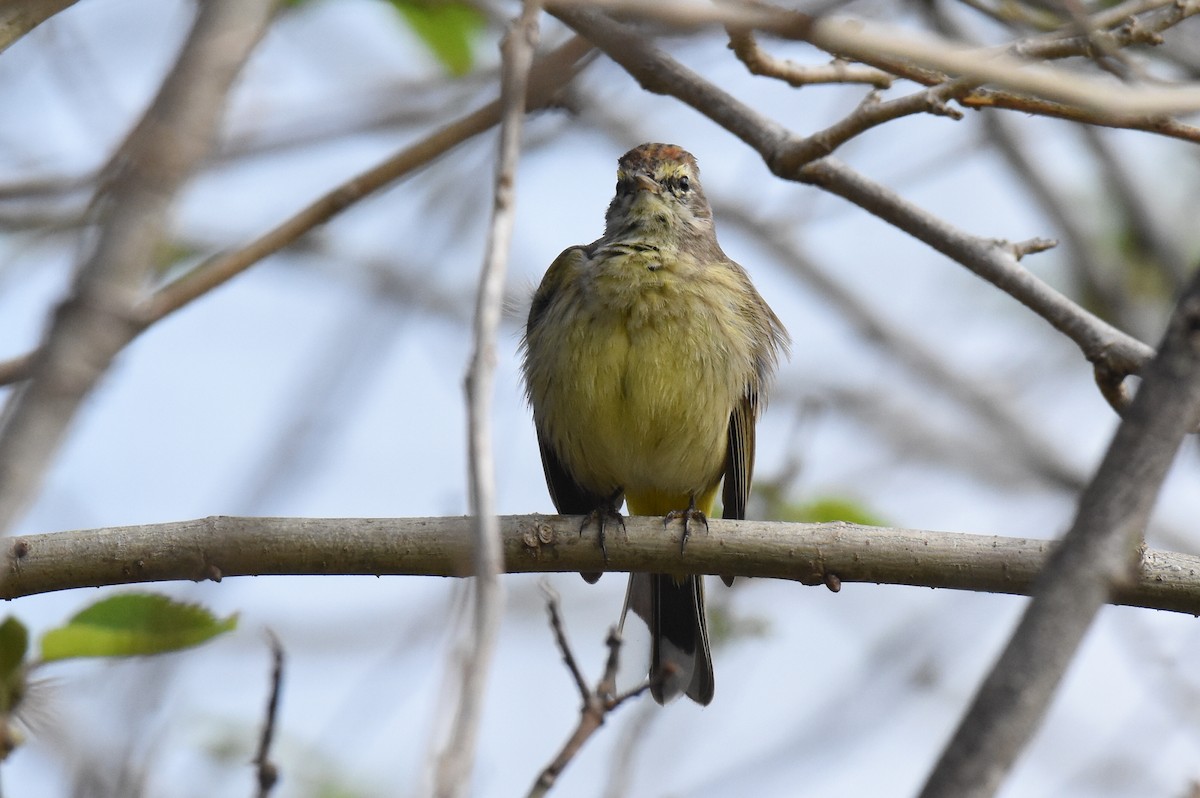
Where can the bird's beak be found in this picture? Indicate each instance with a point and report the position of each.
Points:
(647, 183)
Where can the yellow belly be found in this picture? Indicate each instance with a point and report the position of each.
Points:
(642, 387)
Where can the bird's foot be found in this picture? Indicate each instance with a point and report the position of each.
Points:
(689, 515)
(602, 517)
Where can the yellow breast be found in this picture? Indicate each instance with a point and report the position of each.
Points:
(638, 375)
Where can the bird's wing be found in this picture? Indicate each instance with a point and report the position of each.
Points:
(739, 461)
(739, 456)
(568, 496)
(555, 278)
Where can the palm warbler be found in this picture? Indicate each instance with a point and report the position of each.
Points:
(647, 353)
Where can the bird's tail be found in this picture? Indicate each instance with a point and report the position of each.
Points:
(673, 608)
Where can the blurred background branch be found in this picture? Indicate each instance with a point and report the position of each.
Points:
(92, 324)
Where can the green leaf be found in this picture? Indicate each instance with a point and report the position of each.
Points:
(133, 624)
(14, 643)
(820, 511)
(447, 28)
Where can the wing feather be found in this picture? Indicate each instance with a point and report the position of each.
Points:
(739, 457)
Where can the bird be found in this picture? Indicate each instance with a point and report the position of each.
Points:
(647, 355)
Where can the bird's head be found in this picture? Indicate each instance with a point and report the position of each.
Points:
(658, 196)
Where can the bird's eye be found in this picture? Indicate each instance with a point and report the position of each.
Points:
(684, 184)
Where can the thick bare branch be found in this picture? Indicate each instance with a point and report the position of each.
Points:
(96, 320)
(1098, 556)
(221, 546)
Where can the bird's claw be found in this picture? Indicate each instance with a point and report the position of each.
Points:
(689, 515)
(602, 516)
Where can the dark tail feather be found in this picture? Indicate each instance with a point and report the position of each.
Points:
(674, 610)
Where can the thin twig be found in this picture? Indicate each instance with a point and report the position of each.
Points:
(95, 321)
(760, 62)
(597, 704)
(1054, 46)
(560, 637)
(1094, 268)
(1031, 246)
(268, 773)
(455, 760)
(1098, 556)
(1159, 125)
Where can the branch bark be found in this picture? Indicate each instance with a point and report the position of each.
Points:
(224, 546)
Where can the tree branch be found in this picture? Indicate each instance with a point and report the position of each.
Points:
(1100, 342)
(1098, 556)
(759, 62)
(596, 704)
(1093, 262)
(455, 761)
(266, 770)
(94, 322)
(1017, 67)
(549, 74)
(223, 546)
